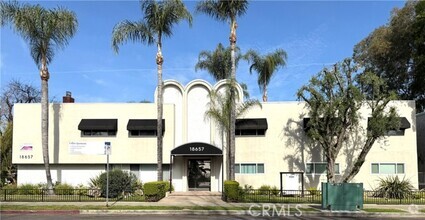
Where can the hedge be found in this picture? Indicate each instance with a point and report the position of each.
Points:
(231, 191)
(155, 191)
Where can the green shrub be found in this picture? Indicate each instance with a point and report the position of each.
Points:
(394, 188)
(264, 189)
(313, 191)
(154, 191)
(231, 190)
(12, 189)
(95, 182)
(120, 182)
(275, 191)
(29, 189)
(64, 189)
(81, 190)
(247, 189)
(167, 186)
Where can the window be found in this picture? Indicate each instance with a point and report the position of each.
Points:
(249, 168)
(260, 168)
(143, 133)
(98, 133)
(250, 132)
(319, 168)
(251, 127)
(144, 127)
(387, 168)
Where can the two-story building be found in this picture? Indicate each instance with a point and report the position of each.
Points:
(272, 147)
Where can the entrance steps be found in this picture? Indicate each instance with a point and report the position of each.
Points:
(193, 198)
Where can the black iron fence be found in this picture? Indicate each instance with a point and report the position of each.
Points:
(63, 195)
(315, 196)
(246, 195)
(278, 196)
(411, 197)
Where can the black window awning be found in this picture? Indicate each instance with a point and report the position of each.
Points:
(98, 124)
(404, 123)
(251, 124)
(196, 148)
(144, 125)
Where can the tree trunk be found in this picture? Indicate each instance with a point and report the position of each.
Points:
(232, 39)
(228, 155)
(359, 160)
(44, 73)
(330, 167)
(265, 93)
(159, 62)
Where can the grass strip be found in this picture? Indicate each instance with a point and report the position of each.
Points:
(119, 207)
(382, 210)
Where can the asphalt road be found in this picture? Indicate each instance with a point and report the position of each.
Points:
(164, 217)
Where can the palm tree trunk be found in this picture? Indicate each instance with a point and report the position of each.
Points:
(228, 155)
(232, 39)
(159, 62)
(265, 93)
(44, 73)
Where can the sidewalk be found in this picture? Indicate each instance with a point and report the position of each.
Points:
(210, 204)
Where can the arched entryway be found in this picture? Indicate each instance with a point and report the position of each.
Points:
(199, 167)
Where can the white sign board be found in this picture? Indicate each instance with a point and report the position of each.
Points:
(90, 148)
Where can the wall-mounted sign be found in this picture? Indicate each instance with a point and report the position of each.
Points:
(26, 152)
(89, 147)
(26, 147)
(196, 148)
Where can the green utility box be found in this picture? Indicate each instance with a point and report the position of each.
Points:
(342, 196)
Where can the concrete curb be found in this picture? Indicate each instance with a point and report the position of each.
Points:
(214, 212)
(41, 212)
(247, 213)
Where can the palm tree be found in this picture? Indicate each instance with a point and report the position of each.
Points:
(45, 30)
(265, 66)
(218, 62)
(219, 109)
(228, 11)
(158, 21)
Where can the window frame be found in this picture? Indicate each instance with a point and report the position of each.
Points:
(239, 165)
(320, 163)
(109, 133)
(396, 164)
(258, 132)
(154, 134)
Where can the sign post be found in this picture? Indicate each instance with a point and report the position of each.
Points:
(107, 152)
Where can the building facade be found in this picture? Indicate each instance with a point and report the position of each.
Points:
(271, 143)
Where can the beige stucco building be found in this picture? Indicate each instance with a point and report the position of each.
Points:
(271, 145)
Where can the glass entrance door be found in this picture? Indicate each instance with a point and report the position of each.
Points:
(199, 174)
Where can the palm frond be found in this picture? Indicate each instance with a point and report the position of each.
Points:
(217, 62)
(265, 65)
(7, 12)
(44, 29)
(223, 10)
(245, 106)
(131, 31)
(163, 15)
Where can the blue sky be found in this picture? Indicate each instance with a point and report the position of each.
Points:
(315, 34)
